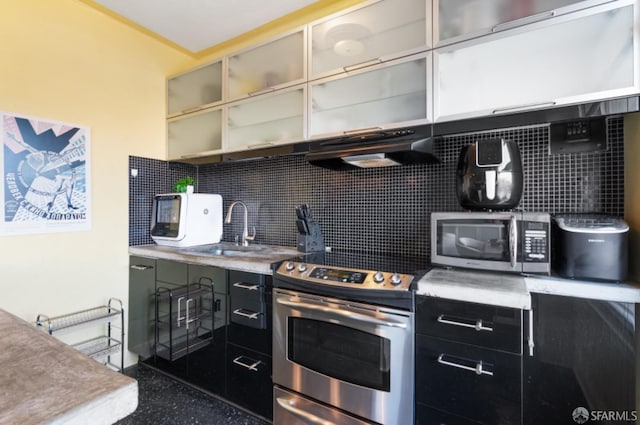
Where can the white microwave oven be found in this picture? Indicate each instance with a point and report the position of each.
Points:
(186, 219)
(517, 242)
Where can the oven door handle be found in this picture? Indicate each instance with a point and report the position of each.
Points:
(309, 417)
(344, 313)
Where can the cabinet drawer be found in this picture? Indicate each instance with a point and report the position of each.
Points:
(447, 376)
(478, 324)
(249, 380)
(248, 299)
(247, 295)
(426, 415)
(216, 275)
(172, 272)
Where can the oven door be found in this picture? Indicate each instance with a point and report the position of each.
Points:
(356, 357)
(487, 241)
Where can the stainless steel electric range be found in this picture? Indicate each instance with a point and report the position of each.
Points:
(343, 340)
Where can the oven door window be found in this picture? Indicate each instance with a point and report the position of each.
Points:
(482, 239)
(341, 352)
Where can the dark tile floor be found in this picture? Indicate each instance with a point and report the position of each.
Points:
(164, 401)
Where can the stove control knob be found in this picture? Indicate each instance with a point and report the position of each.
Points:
(302, 267)
(378, 277)
(290, 266)
(396, 279)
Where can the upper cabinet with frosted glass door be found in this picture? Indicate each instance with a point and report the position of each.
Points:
(267, 120)
(460, 20)
(390, 95)
(267, 66)
(196, 89)
(368, 34)
(580, 57)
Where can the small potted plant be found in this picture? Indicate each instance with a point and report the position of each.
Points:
(184, 184)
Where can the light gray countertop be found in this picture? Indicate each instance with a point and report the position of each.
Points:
(44, 381)
(256, 261)
(507, 290)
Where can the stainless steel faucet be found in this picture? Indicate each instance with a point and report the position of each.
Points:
(245, 232)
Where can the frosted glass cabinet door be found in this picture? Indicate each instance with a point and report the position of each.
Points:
(385, 96)
(194, 134)
(361, 36)
(195, 89)
(266, 120)
(271, 65)
(581, 57)
(464, 19)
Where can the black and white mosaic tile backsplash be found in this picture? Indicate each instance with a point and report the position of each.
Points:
(384, 210)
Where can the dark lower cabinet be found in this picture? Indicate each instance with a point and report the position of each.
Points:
(426, 415)
(235, 363)
(249, 381)
(468, 363)
(477, 383)
(584, 357)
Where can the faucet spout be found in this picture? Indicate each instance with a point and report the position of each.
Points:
(245, 231)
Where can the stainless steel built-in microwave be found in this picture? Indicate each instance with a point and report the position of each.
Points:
(516, 242)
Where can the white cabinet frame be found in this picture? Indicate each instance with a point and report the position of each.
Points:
(514, 87)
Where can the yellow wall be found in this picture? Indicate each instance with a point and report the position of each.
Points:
(64, 61)
(632, 189)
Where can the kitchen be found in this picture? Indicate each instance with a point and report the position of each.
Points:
(113, 79)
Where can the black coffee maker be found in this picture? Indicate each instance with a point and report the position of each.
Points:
(489, 175)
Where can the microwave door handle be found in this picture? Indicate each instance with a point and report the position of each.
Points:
(344, 313)
(513, 241)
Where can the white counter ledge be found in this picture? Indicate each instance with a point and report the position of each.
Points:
(627, 292)
(44, 381)
(498, 289)
(513, 290)
(247, 261)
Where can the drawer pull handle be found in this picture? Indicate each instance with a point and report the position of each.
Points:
(477, 325)
(252, 365)
(140, 267)
(246, 286)
(240, 312)
(290, 406)
(478, 369)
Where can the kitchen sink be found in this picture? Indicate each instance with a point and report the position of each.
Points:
(227, 249)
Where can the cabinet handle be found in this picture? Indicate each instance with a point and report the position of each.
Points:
(289, 405)
(179, 318)
(246, 286)
(253, 316)
(478, 369)
(361, 130)
(523, 21)
(257, 145)
(259, 92)
(140, 267)
(477, 325)
(252, 365)
(530, 342)
(522, 108)
(187, 111)
(187, 321)
(361, 64)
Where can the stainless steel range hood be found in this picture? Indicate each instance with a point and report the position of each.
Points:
(374, 149)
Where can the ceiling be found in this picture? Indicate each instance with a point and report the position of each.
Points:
(196, 25)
